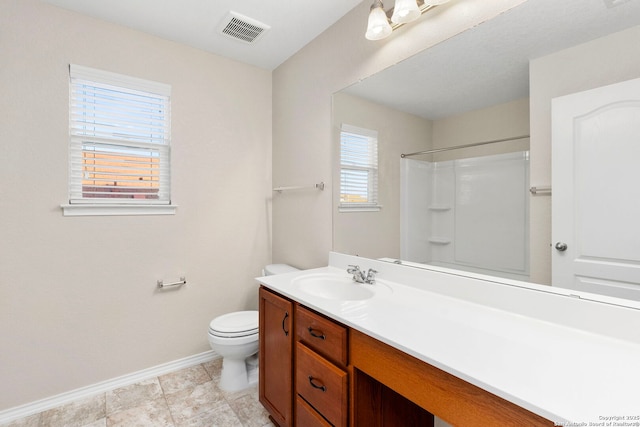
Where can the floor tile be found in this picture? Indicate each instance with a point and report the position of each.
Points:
(192, 402)
(184, 379)
(151, 413)
(30, 421)
(100, 423)
(222, 416)
(189, 397)
(79, 413)
(132, 395)
(213, 368)
(250, 411)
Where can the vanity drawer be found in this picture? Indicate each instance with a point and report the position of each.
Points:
(306, 416)
(322, 384)
(322, 335)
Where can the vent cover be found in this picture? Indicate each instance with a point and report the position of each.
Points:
(242, 28)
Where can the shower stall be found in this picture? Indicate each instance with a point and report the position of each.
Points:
(470, 214)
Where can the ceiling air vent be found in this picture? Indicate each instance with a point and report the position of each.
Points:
(242, 28)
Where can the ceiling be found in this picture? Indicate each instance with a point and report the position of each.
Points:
(294, 23)
(489, 64)
(486, 65)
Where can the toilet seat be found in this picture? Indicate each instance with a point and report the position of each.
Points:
(235, 325)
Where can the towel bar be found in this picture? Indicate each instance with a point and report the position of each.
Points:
(182, 281)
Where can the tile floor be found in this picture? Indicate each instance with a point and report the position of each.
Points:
(189, 397)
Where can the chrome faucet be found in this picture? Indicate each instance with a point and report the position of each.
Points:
(359, 276)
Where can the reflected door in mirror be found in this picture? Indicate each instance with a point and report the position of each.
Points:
(596, 196)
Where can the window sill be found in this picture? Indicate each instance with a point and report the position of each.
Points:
(111, 210)
(375, 208)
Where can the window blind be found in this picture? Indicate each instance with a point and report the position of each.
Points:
(119, 130)
(358, 167)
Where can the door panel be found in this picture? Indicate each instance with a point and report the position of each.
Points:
(596, 190)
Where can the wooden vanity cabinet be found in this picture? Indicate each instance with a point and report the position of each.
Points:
(302, 348)
(321, 368)
(276, 356)
(315, 372)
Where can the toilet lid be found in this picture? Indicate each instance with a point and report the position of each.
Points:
(239, 322)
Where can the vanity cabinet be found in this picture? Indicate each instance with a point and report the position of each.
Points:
(315, 372)
(321, 368)
(276, 356)
(302, 348)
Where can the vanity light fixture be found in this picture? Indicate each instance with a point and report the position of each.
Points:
(405, 11)
(380, 25)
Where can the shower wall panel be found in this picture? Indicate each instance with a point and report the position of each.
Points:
(469, 214)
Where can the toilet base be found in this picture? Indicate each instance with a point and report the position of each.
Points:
(238, 374)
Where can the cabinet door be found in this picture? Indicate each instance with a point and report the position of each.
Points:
(276, 340)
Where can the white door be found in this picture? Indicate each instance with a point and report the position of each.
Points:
(596, 190)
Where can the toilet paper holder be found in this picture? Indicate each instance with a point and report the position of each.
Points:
(182, 281)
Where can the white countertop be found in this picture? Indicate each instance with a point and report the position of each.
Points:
(552, 368)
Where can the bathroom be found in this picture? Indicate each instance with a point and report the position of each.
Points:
(80, 309)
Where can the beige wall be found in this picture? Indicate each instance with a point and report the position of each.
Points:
(78, 298)
(302, 129)
(603, 61)
(501, 121)
(375, 234)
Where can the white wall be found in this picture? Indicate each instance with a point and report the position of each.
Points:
(302, 89)
(604, 61)
(78, 298)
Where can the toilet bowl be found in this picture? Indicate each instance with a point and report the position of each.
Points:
(234, 336)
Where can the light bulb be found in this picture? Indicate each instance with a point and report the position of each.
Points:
(405, 11)
(378, 26)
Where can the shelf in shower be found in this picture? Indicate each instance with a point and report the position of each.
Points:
(440, 208)
(439, 240)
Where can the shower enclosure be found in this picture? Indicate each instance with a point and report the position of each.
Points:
(470, 214)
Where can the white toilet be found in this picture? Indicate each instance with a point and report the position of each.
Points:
(234, 336)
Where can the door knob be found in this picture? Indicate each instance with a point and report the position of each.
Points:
(561, 246)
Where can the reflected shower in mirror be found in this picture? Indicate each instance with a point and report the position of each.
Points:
(495, 81)
(470, 214)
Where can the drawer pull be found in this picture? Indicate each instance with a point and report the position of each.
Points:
(316, 333)
(284, 319)
(314, 385)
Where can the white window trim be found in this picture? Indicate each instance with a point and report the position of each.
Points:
(364, 207)
(102, 208)
(117, 209)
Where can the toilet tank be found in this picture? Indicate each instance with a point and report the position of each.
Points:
(273, 269)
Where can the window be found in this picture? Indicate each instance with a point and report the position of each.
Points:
(119, 144)
(358, 169)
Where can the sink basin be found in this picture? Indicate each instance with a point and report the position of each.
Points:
(337, 287)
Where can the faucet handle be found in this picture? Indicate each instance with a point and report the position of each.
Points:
(358, 275)
(371, 276)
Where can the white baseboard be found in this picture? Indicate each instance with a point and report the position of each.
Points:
(21, 411)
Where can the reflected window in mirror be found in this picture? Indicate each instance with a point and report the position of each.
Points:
(358, 169)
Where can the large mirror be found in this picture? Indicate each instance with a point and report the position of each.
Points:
(485, 208)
